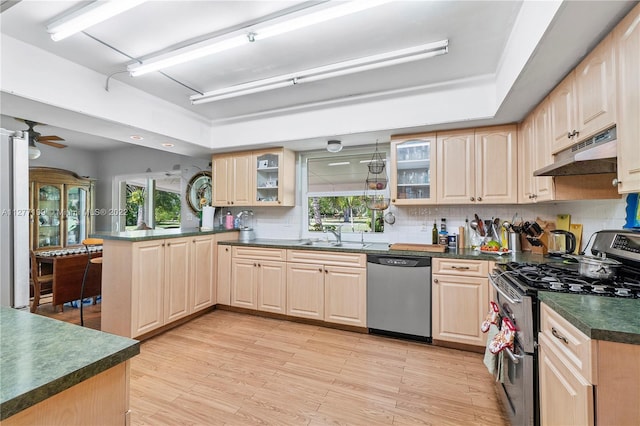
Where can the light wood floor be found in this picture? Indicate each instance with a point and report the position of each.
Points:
(230, 368)
(225, 368)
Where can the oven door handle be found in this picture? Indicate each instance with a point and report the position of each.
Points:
(515, 358)
(502, 293)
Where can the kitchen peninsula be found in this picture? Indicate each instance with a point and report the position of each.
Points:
(58, 373)
(156, 279)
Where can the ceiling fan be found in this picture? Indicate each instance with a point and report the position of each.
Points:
(37, 137)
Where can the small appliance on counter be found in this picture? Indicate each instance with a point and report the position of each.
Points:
(561, 242)
(245, 225)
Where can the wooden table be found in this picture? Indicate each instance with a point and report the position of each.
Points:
(68, 271)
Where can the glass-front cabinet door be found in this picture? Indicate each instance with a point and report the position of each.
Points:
(412, 169)
(76, 215)
(267, 177)
(60, 202)
(48, 216)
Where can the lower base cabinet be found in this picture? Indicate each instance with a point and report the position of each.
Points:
(305, 290)
(258, 279)
(156, 282)
(324, 286)
(460, 300)
(585, 381)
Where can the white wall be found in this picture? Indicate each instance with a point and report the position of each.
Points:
(81, 162)
(136, 160)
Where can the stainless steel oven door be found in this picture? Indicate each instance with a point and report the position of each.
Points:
(516, 387)
(519, 309)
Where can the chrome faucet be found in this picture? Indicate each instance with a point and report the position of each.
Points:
(337, 234)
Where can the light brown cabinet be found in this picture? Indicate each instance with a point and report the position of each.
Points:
(328, 286)
(460, 299)
(412, 172)
(534, 153)
(231, 176)
(305, 290)
(477, 166)
(150, 284)
(585, 381)
(177, 278)
(254, 178)
(273, 177)
(223, 276)
(584, 103)
(61, 208)
(258, 279)
(627, 42)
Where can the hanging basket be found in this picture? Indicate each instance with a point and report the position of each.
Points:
(376, 202)
(376, 167)
(377, 183)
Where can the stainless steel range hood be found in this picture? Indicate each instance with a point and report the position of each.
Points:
(595, 155)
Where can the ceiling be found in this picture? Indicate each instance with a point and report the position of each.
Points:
(478, 32)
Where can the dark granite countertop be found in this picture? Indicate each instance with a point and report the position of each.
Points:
(157, 234)
(599, 317)
(42, 356)
(383, 248)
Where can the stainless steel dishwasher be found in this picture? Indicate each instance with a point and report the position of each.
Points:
(399, 296)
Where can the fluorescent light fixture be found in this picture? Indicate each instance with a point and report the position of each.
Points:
(274, 27)
(341, 163)
(307, 19)
(338, 69)
(88, 16)
(190, 53)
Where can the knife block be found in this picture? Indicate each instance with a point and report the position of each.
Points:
(543, 238)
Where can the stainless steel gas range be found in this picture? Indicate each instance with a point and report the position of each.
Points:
(517, 286)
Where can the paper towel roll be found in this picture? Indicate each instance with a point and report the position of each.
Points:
(207, 218)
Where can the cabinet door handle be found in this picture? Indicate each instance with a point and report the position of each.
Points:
(393, 200)
(559, 336)
(259, 266)
(616, 182)
(226, 249)
(569, 135)
(479, 198)
(168, 244)
(472, 198)
(319, 269)
(460, 267)
(255, 264)
(194, 241)
(162, 244)
(326, 271)
(435, 281)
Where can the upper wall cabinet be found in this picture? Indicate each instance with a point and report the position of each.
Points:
(274, 177)
(627, 40)
(254, 178)
(477, 166)
(231, 175)
(584, 102)
(412, 170)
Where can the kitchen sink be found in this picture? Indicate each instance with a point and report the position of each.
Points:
(343, 244)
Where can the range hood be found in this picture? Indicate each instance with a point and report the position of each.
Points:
(595, 155)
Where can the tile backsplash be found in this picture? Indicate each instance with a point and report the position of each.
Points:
(414, 224)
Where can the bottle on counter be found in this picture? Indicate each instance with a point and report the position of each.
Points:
(434, 234)
(228, 220)
(443, 235)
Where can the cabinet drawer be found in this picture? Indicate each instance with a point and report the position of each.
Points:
(468, 268)
(568, 342)
(259, 253)
(327, 258)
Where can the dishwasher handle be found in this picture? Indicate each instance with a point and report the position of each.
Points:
(399, 261)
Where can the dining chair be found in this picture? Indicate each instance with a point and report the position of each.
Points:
(42, 284)
(88, 243)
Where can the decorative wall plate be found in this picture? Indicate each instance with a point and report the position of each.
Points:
(199, 191)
